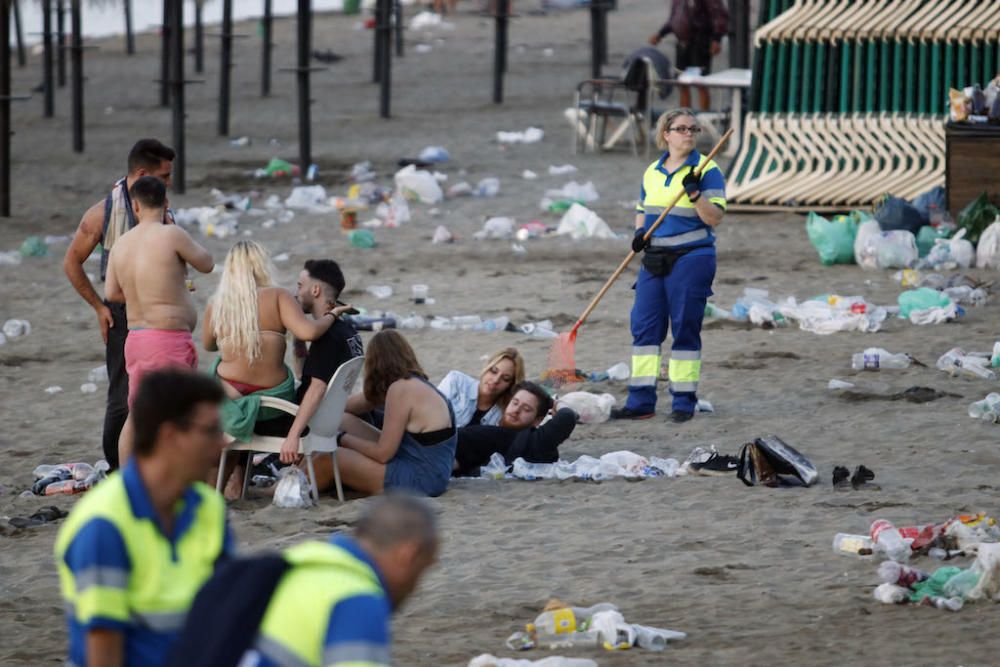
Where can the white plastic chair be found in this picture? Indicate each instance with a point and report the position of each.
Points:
(323, 428)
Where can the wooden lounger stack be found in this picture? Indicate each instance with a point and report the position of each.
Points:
(850, 97)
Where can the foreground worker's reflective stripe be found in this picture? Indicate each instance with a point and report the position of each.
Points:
(653, 210)
(645, 365)
(278, 653)
(680, 239)
(167, 621)
(684, 370)
(104, 577)
(356, 652)
(714, 194)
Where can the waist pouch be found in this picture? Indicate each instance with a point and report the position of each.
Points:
(660, 262)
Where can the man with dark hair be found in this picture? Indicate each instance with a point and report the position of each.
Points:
(700, 26)
(520, 433)
(137, 548)
(318, 603)
(104, 223)
(319, 286)
(147, 270)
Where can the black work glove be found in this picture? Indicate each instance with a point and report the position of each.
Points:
(692, 186)
(638, 242)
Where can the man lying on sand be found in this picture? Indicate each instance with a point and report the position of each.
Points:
(147, 270)
(519, 433)
(137, 548)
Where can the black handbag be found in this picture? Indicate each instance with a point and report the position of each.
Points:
(772, 462)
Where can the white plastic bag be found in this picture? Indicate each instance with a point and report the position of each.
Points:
(864, 254)
(487, 660)
(988, 251)
(292, 490)
(418, 184)
(307, 196)
(613, 629)
(591, 408)
(952, 253)
(496, 228)
(894, 250)
(582, 223)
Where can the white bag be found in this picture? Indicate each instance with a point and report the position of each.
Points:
(582, 223)
(988, 252)
(418, 184)
(896, 249)
(591, 408)
(954, 251)
(864, 255)
(292, 489)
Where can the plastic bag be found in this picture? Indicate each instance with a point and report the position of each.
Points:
(864, 246)
(924, 298)
(977, 216)
(833, 239)
(307, 196)
(496, 228)
(893, 250)
(988, 251)
(894, 213)
(591, 408)
(292, 489)
(582, 223)
(931, 203)
(951, 253)
(927, 237)
(418, 185)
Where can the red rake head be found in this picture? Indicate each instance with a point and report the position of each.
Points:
(561, 357)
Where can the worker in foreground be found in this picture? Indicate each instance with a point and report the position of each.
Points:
(678, 267)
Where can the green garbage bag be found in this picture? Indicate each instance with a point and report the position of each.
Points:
(927, 236)
(361, 238)
(924, 298)
(833, 239)
(933, 586)
(279, 167)
(976, 217)
(34, 246)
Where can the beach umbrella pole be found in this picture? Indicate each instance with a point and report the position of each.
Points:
(225, 66)
(385, 75)
(60, 43)
(502, 8)
(398, 11)
(199, 38)
(265, 54)
(129, 35)
(303, 71)
(165, 54)
(77, 57)
(377, 52)
(5, 115)
(177, 92)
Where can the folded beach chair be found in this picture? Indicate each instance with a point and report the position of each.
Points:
(323, 428)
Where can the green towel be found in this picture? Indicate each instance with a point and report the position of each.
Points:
(240, 415)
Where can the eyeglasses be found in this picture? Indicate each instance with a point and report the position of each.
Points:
(685, 129)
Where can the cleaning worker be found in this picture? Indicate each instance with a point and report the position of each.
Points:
(678, 266)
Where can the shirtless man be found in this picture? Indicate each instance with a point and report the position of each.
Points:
(147, 270)
(103, 224)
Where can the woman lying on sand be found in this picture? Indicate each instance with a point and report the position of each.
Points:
(415, 449)
(483, 401)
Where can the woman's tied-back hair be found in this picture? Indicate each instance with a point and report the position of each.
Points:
(234, 304)
(388, 358)
(666, 120)
(515, 358)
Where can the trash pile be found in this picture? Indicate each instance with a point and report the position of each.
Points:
(974, 105)
(33, 246)
(602, 625)
(946, 587)
(69, 478)
(625, 464)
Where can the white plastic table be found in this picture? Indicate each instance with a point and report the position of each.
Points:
(736, 81)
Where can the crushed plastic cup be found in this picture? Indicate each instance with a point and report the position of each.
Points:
(16, 328)
(419, 293)
(88, 388)
(380, 291)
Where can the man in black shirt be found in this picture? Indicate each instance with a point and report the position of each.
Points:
(519, 433)
(319, 285)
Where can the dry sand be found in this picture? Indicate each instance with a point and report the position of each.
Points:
(748, 573)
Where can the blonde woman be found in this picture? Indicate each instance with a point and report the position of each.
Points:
(246, 320)
(483, 401)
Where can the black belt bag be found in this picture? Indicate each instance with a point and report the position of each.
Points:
(660, 261)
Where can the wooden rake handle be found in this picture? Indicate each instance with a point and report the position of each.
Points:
(628, 258)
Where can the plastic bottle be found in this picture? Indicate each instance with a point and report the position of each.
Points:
(589, 639)
(951, 361)
(553, 622)
(54, 475)
(532, 471)
(978, 366)
(619, 372)
(412, 322)
(67, 486)
(874, 358)
(987, 409)
(948, 604)
(369, 323)
(495, 324)
(889, 541)
(891, 572)
(854, 545)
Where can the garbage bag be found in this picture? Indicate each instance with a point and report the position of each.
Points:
(924, 298)
(927, 236)
(582, 223)
(833, 239)
(292, 489)
(977, 216)
(949, 253)
(418, 184)
(895, 250)
(592, 408)
(931, 202)
(894, 213)
(864, 252)
(988, 252)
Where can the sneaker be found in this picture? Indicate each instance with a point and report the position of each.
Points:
(716, 464)
(679, 417)
(629, 413)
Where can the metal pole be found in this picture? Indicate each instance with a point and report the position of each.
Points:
(225, 66)
(398, 5)
(165, 54)
(5, 114)
(595, 39)
(47, 74)
(739, 37)
(77, 57)
(61, 43)
(265, 55)
(129, 35)
(199, 39)
(385, 91)
(377, 54)
(500, 49)
(302, 72)
(177, 91)
(17, 33)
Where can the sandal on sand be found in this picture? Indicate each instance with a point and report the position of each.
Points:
(861, 477)
(42, 516)
(840, 475)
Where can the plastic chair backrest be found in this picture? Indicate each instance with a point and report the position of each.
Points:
(326, 421)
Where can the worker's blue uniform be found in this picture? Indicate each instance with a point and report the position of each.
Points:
(683, 249)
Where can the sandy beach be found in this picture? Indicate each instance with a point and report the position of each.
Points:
(748, 573)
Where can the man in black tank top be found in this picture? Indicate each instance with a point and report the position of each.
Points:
(102, 224)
